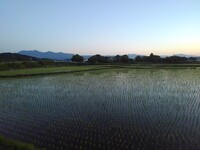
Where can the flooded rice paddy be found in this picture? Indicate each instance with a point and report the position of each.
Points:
(136, 109)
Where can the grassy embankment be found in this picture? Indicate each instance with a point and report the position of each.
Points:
(84, 68)
(7, 144)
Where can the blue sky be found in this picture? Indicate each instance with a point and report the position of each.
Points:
(101, 26)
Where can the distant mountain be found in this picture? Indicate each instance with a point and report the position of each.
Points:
(133, 55)
(60, 55)
(184, 55)
(48, 55)
(67, 56)
(6, 57)
(180, 55)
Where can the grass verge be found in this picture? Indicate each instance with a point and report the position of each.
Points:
(7, 144)
(83, 68)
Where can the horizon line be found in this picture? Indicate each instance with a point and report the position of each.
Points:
(43, 51)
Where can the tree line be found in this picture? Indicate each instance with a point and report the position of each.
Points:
(102, 59)
(139, 59)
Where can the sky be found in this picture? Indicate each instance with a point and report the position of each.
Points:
(106, 27)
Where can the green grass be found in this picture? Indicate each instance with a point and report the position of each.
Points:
(7, 144)
(83, 68)
(50, 70)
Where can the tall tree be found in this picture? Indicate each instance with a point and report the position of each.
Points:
(124, 58)
(77, 58)
(138, 59)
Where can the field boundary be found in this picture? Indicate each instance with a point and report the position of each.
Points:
(98, 68)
